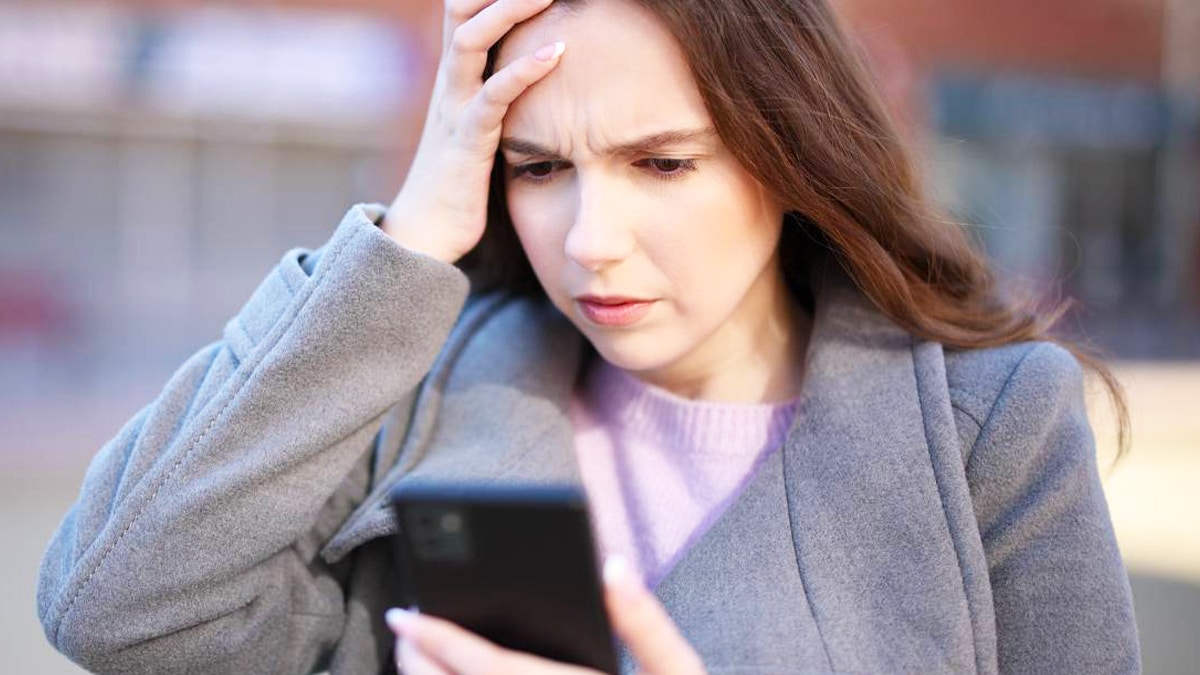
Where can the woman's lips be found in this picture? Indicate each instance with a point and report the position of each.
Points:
(613, 312)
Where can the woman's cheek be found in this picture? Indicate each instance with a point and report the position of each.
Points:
(538, 218)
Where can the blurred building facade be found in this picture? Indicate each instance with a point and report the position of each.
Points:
(1068, 134)
(157, 157)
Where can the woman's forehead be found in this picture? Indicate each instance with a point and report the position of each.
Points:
(540, 30)
(622, 73)
(621, 24)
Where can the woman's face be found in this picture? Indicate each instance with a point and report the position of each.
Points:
(639, 223)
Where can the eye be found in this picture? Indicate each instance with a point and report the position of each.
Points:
(667, 168)
(536, 172)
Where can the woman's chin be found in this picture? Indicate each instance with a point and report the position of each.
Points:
(633, 353)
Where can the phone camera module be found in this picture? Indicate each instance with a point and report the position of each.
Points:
(451, 523)
(439, 533)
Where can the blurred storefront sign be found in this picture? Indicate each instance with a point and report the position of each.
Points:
(304, 66)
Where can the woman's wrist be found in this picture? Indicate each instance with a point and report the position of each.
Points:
(414, 240)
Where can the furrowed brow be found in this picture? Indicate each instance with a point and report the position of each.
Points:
(521, 146)
(647, 145)
(639, 146)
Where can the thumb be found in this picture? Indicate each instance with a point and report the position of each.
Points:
(644, 625)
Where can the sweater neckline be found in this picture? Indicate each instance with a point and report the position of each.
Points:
(618, 399)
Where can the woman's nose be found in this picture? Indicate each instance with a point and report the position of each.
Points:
(600, 236)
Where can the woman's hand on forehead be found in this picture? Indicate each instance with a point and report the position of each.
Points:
(441, 210)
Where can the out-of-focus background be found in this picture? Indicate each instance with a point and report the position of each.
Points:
(158, 156)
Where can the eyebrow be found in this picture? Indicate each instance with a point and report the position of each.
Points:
(638, 146)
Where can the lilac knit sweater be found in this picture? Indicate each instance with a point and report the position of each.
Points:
(658, 469)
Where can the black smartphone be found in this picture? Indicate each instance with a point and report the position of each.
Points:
(516, 565)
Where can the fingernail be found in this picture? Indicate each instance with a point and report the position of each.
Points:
(616, 569)
(550, 52)
(398, 619)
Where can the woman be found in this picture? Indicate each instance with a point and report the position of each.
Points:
(709, 290)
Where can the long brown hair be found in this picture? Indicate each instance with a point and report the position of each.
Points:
(792, 100)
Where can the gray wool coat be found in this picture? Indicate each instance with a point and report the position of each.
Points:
(930, 511)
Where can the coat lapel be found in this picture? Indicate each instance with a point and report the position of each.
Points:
(752, 611)
(866, 578)
(870, 533)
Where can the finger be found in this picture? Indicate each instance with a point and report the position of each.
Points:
(457, 13)
(412, 661)
(486, 111)
(469, 43)
(644, 625)
(444, 642)
(457, 650)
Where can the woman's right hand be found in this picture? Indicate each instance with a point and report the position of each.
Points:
(442, 208)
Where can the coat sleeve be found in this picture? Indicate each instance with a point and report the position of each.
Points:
(1061, 593)
(190, 547)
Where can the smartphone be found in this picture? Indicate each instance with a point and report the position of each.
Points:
(513, 564)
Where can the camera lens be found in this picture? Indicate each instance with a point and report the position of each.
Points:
(451, 522)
